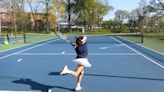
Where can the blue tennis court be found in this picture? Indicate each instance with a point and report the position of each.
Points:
(116, 67)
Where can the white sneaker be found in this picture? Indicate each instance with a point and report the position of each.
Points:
(78, 88)
(50, 90)
(64, 70)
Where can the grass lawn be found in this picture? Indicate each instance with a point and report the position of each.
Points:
(155, 44)
(153, 41)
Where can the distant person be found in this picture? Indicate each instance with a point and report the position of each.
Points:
(81, 61)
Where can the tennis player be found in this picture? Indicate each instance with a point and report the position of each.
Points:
(81, 61)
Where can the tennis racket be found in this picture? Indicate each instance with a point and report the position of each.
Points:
(63, 37)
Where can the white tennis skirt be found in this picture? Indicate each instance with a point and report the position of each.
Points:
(82, 61)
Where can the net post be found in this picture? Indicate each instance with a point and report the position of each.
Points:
(8, 39)
(142, 37)
(24, 36)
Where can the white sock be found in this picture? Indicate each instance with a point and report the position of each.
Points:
(78, 84)
(78, 87)
(69, 71)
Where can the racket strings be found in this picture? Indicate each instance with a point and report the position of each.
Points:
(62, 36)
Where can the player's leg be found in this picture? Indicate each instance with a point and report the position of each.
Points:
(78, 87)
(80, 77)
(76, 73)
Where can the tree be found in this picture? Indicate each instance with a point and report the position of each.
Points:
(156, 5)
(35, 7)
(20, 14)
(90, 12)
(57, 12)
(121, 15)
(80, 11)
(142, 15)
(108, 24)
(47, 6)
(16, 9)
(70, 8)
(161, 3)
(102, 10)
(133, 19)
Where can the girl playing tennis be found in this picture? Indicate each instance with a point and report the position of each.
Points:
(81, 60)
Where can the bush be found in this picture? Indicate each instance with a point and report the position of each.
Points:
(124, 29)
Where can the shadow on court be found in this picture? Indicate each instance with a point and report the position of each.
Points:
(112, 76)
(38, 86)
(127, 77)
(54, 73)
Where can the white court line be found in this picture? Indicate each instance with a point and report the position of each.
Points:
(27, 49)
(93, 54)
(140, 54)
(108, 47)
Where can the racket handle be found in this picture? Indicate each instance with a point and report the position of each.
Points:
(74, 45)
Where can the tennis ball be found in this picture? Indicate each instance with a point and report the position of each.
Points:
(6, 42)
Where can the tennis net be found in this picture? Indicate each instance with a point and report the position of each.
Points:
(92, 38)
(108, 38)
(32, 38)
(116, 38)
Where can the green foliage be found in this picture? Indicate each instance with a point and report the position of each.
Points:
(90, 12)
(124, 29)
(21, 23)
(40, 25)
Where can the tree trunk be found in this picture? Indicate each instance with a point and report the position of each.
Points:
(0, 23)
(84, 20)
(69, 16)
(47, 22)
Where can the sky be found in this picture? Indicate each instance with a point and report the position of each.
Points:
(128, 5)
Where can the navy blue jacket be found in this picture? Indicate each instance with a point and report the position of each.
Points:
(82, 51)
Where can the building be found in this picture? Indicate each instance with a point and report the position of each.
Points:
(7, 19)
